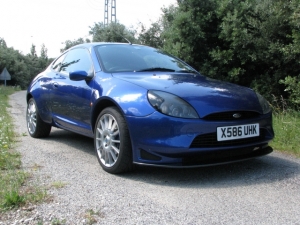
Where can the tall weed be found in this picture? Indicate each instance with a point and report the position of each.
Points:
(286, 124)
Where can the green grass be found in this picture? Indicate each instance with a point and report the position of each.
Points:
(286, 125)
(58, 184)
(13, 191)
(90, 216)
(56, 221)
(11, 178)
(8, 158)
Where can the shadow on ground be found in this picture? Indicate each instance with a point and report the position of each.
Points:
(267, 169)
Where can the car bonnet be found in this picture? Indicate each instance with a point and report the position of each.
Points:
(206, 95)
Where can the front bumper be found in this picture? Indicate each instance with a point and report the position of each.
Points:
(166, 141)
(212, 158)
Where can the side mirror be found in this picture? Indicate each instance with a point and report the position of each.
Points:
(78, 75)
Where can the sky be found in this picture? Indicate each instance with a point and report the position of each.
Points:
(52, 22)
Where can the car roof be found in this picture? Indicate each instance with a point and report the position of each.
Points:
(92, 44)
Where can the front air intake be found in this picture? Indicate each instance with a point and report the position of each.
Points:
(210, 141)
(148, 156)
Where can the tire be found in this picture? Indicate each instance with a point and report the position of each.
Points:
(112, 142)
(36, 127)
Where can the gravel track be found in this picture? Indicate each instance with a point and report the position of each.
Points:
(260, 191)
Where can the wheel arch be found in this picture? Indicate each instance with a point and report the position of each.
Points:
(101, 105)
(28, 96)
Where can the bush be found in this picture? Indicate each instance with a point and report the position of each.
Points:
(293, 88)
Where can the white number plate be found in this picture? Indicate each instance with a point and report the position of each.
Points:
(237, 132)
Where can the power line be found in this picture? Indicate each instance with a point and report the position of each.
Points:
(110, 16)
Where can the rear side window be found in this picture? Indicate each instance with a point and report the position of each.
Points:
(77, 59)
(56, 65)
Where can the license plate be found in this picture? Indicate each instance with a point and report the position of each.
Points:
(237, 132)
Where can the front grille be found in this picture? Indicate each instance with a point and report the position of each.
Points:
(229, 115)
(210, 140)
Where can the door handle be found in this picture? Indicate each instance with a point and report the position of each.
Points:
(55, 85)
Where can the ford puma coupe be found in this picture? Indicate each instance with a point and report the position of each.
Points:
(143, 106)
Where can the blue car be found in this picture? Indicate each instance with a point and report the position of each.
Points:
(144, 106)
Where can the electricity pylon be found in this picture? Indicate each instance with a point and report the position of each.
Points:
(113, 12)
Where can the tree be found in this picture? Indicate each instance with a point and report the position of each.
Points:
(254, 43)
(43, 59)
(152, 36)
(69, 44)
(191, 31)
(22, 68)
(33, 51)
(44, 52)
(2, 42)
(256, 34)
(293, 88)
(17, 65)
(114, 32)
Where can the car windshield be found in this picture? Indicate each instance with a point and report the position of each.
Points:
(134, 58)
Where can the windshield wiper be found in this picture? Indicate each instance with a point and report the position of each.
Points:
(156, 69)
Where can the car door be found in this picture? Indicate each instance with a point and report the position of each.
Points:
(57, 82)
(71, 100)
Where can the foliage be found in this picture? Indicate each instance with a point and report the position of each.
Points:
(3, 43)
(256, 32)
(69, 44)
(22, 68)
(254, 43)
(191, 30)
(33, 51)
(151, 36)
(114, 32)
(293, 88)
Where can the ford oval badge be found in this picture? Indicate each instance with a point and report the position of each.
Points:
(237, 115)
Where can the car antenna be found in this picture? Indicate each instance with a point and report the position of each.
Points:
(129, 42)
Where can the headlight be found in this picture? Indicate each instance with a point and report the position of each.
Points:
(171, 105)
(264, 104)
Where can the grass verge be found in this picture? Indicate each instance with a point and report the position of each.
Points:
(286, 125)
(13, 192)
